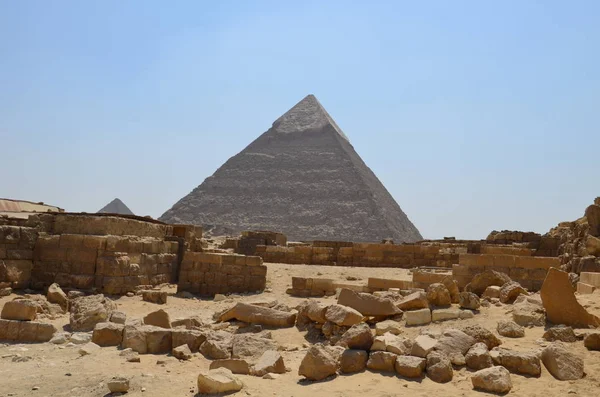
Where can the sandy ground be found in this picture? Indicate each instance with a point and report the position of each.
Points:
(60, 371)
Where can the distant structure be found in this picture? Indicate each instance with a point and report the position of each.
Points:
(22, 208)
(303, 178)
(116, 207)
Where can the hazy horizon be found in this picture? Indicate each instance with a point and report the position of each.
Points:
(476, 117)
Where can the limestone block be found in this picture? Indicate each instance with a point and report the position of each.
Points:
(418, 317)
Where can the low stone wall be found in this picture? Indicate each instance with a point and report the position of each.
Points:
(310, 286)
(25, 331)
(108, 225)
(16, 254)
(529, 271)
(213, 273)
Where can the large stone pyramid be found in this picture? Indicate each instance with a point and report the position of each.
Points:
(116, 207)
(303, 178)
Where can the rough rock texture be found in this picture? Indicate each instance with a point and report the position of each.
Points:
(415, 301)
(217, 345)
(492, 291)
(478, 357)
(510, 291)
(259, 315)
(468, 300)
(236, 366)
(250, 345)
(454, 341)
(410, 367)
(481, 334)
(494, 380)
(57, 295)
(560, 333)
(452, 287)
(182, 352)
(592, 341)
(302, 178)
(526, 363)
(418, 317)
(159, 318)
(510, 329)
(392, 343)
(381, 361)
(529, 311)
(483, 280)
(19, 309)
(438, 295)
(560, 302)
(159, 297)
(88, 311)
(358, 337)
(423, 345)
(220, 380)
(270, 362)
(108, 334)
(391, 326)
(118, 384)
(317, 364)
(193, 338)
(343, 315)
(439, 367)
(367, 304)
(562, 363)
(353, 361)
(315, 311)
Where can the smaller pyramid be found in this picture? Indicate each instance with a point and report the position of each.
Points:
(116, 207)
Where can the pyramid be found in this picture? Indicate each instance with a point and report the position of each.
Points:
(116, 207)
(303, 178)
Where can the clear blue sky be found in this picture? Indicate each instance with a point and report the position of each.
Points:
(475, 115)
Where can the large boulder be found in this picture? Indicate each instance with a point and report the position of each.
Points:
(216, 381)
(481, 334)
(270, 362)
(147, 339)
(510, 329)
(452, 287)
(481, 281)
(90, 310)
(526, 363)
(153, 296)
(108, 334)
(317, 364)
(259, 315)
(560, 302)
(439, 367)
(510, 291)
(381, 361)
(367, 304)
(409, 366)
(493, 380)
(193, 338)
(358, 337)
(529, 311)
(562, 363)
(438, 295)
(592, 213)
(560, 333)
(315, 311)
(592, 341)
(57, 295)
(468, 300)
(455, 344)
(353, 361)
(415, 301)
(478, 357)
(158, 318)
(20, 309)
(217, 346)
(250, 345)
(343, 315)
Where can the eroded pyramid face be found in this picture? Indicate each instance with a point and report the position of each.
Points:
(303, 178)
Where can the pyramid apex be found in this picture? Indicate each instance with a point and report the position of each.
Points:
(308, 114)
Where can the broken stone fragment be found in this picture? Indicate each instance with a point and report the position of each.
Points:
(493, 380)
(220, 380)
(317, 364)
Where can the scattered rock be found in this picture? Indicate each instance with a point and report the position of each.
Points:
(492, 291)
(439, 367)
(315, 311)
(108, 334)
(478, 357)
(74, 294)
(358, 337)
(493, 380)
(219, 298)
(270, 362)
(19, 309)
(423, 345)
(118, 384)
(193, 338)
(159, 318)
(57, 295)
(88, 348)
(454, 341)
(452, 287)
(118, 317)
(418, 317)
(528, 311)
(88, 311)
(410, 367)
(562, 363)
(526, 363)
(353, 361)
(259, 315)
(80, 338)
(381, 361)
(343, 315)
(391, 326)
(592, 341)
(250, 345)
(159, 297)
(60, 338)
(510, 291)
(235, 365)
(367, 304)
(182, 352)
(560, 333)
(481, 334)
(450, 313)
(469, 300)
(486, 279)
(217, 346)
(510, 329)
(317, 364)
(438, 295)
(220, 380)
(415, 301)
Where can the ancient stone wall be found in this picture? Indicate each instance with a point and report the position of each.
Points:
(214, 273)
(529, 271)
(16, 254)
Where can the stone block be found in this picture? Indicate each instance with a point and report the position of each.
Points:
(445, 314)
(585, 289)
(418, 317)
(590, 278)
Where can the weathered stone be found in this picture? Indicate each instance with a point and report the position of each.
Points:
(438, 295)
(217, 346)
(492, 292)
(134, 338)
(80, 338)
(439, 367)
(235, 365)
(60, 338)
(418, 317)
(450, 313)
(182, 352)
(478, 357)
(415, 301)
(469, 300)
(118, 384)
(250, 345)
(510, 329)
(454, 341)
(270, 362)
(343, 315)
(410, 367)
(560, 302)
(391, 326)
(88, 311)
(19, 309)
(528, 311)
(158, 340)
(562, 363)
(57, 295)
(510, 291)
(358, 337)
(187, 322)
(353, 361)
(118, 317)
(108, 334)
(315, 311)
(216, 381)
(423, 345)
(367, 304)
(392, 343)
(560, 333)
(452, 287)
(493, 380)
(381, 361)
(481, 334)
(159, 318)
(191, 337)
(317, 364)
(259, 315)
(526, 363)
(486, 279)
(592, 341)
(88, 348)
(158, 297)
